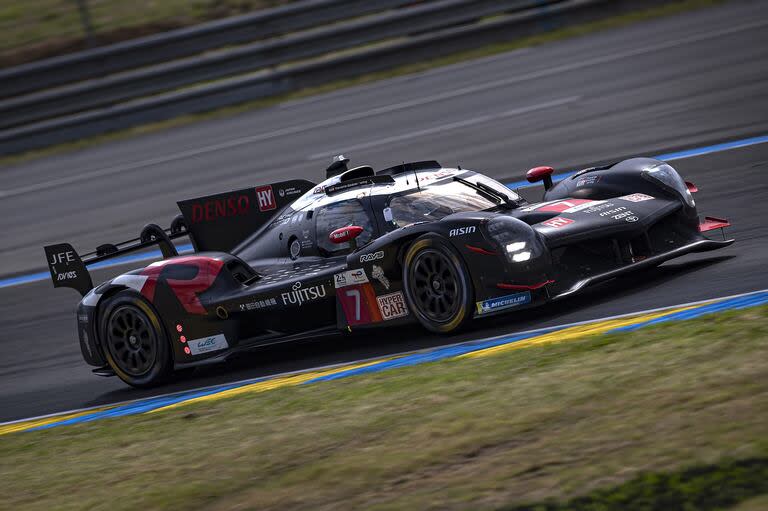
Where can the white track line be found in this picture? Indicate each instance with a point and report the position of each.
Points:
(446, 127)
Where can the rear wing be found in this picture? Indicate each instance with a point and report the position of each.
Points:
(220, 222)
(215, 223)
(69, 269)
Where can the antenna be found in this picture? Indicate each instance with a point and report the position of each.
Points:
(416, 176)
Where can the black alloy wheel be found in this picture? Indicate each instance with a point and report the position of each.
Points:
(131, 340)
(134, 341)
(437, 286)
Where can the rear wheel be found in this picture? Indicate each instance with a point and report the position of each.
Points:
(134, 340)
(437, 284)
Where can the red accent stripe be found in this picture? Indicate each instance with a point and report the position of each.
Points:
(691, 187)
(479, 250)
(523, 287)
(185, 290)
(711, 223)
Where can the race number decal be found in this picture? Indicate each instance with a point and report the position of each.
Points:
(359, 304)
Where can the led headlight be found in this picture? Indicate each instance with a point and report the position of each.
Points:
(516, 238)
(521, 256)
(670, 180)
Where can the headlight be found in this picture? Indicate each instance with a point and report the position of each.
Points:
(669, 179)
(515, 238)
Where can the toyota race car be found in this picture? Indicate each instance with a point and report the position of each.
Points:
(413, 243)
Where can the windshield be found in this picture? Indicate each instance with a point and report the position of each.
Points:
(438, 201)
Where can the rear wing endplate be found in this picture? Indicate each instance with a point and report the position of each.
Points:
(69, 269)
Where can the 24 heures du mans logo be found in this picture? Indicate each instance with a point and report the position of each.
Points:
(299, 295)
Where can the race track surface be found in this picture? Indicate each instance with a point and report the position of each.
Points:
(678, 82)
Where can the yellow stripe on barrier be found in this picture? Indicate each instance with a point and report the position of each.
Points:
(263, 386)
(36, 423)
(576, 332)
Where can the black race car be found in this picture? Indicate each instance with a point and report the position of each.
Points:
(416, 242)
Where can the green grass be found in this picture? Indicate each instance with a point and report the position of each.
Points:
(555, 35)
(545, 424)
(35, 29)
(706, 487)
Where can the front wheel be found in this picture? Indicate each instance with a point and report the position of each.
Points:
(437, 284)
(134, 340)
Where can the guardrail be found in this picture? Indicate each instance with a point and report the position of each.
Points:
(453, 25)
(184, 42)
(154, 80)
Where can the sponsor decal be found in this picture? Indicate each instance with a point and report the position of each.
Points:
(461, 231)
(365, 258)
(565, 205)
(350, 278)
(83, 318)
(619, 213)
(613, 211)
(378, 274)
(66, 275)
(388, 214)
(586, 207)
(299, 296)
(306, 243)
(62, 258)
(392, 306)
(588, 180)
(598, 206)
(637, 197)
(220, 208)
(208, 344)
(503, 302)
(557, 222)
(258, 304)
(266, 198)
(295, 249)
(432, 176)
(288, 192)
(343, 234)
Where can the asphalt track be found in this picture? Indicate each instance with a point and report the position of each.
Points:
(674, 83)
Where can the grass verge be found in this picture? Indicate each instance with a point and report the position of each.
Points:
(543, 424)
(555, 35)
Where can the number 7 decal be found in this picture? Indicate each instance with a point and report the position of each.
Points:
(359, 304)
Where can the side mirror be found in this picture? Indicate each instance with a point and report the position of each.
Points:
(537, 174)
(346, 234)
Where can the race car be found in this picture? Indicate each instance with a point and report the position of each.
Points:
(413, 243)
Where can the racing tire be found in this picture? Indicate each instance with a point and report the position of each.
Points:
(135, 343)
(437, 285)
